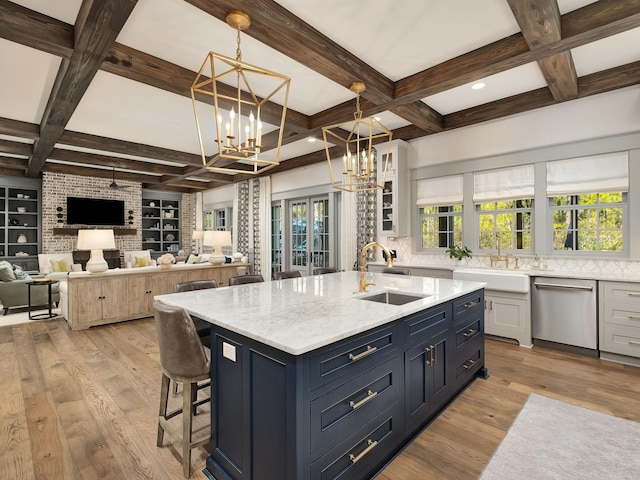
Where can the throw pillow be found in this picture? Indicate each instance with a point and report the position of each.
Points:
(59, 265)
(142, 262)
(20, 274)
(6, 272)
(194, 259)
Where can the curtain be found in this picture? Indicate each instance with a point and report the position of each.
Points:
(599, 173)
(503, 184)
(439, 191)
(264, 212)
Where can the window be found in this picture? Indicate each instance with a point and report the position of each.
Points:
(439, 202)
(507, 223)
(589, 222)
(588, 202)
(441, 226)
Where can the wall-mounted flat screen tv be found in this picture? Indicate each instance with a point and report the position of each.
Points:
(95, 211)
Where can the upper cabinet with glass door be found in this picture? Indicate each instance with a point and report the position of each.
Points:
(393, 199)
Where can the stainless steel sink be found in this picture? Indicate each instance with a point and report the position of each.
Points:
(394, 298)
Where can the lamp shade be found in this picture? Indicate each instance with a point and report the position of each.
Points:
(216, 238)
(96, 239)
(197, 235)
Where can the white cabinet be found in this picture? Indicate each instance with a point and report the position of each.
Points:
(508, 315)
(393, 200)
(620, 318)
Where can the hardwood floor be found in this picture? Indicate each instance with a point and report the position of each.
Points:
(83, 405)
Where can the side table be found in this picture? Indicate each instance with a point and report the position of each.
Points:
(40, 283)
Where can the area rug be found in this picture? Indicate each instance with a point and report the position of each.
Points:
(551, 439)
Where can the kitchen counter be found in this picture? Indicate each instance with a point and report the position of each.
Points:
(302, 314)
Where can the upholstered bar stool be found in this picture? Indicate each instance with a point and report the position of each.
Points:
(183, 359)
(324, 270)
(288, 274)
(243, 279)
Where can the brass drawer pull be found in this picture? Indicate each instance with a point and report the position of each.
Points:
(470, 333)
(469, 304)
(633, 294)
(468, 365)
(356, 405)
(633, 342)
(634, 317)
(368, 351)
(370, 446)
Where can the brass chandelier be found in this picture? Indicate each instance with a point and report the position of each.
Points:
(238, 111)
(354, 140)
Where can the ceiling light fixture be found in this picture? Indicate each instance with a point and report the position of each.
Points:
(478, 86)
(354, 140)
(239, 146)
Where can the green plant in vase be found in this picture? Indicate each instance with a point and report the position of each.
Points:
(459, 253)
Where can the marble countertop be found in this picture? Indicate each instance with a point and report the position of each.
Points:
(301, 314)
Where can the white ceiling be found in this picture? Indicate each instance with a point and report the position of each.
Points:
(395, 38)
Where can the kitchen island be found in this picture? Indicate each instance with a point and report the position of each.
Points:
(312, 381)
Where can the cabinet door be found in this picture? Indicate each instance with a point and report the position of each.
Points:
(426, 381)
(508, 317)
(114, 299)
(86, 302)
(139, 296)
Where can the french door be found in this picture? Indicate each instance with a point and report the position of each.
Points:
(309, 234)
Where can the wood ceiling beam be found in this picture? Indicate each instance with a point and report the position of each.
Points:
(587, 24)
(12, 163)
(594, 84)
(16, 128)
(33, 29)
(540, 23)
(16, 148)
(97, 27)
(88, 159)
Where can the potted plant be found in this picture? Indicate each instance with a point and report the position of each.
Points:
(459, 253)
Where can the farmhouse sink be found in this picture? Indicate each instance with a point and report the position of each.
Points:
(393, 298)
(503, 280)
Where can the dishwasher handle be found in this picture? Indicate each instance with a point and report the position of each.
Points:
(560, 285)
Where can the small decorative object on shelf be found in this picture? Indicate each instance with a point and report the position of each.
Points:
(22, 238)
(59, 215)
(130, 217)
(166, 260)
(459, 252)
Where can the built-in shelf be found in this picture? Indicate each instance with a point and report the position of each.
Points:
(74, 231)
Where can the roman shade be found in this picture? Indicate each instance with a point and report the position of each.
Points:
(599, 173)
(503, 184)
(439, 191)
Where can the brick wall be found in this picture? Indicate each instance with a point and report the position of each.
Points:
(56, 187)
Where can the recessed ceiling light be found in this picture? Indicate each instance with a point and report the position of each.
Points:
(311, 139)
(478, 86)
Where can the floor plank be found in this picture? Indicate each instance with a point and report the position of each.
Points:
(83, 405)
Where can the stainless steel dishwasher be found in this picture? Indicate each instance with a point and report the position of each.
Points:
(564, 310)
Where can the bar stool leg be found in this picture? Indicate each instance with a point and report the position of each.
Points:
(162, 413)
(187, 426)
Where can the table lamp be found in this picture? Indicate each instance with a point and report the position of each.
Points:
(96, 241)
(216, 239)
(197, 235)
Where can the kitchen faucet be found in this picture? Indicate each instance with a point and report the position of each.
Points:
(500, 258)
(363, 283)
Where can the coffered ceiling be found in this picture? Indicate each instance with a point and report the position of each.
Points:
(91, 86)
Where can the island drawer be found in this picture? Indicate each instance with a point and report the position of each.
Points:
(468, 331)
(341, 411)
(352, 356)
(420, 326)
(615, 293)
(361, 456)
(467, 362)
(468, 305)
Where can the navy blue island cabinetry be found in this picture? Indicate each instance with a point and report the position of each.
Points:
(343, 410)
(310, 381)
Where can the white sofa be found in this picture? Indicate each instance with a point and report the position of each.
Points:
(130, 258)
(44, 265)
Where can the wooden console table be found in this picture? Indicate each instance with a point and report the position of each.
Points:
(127, 294)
